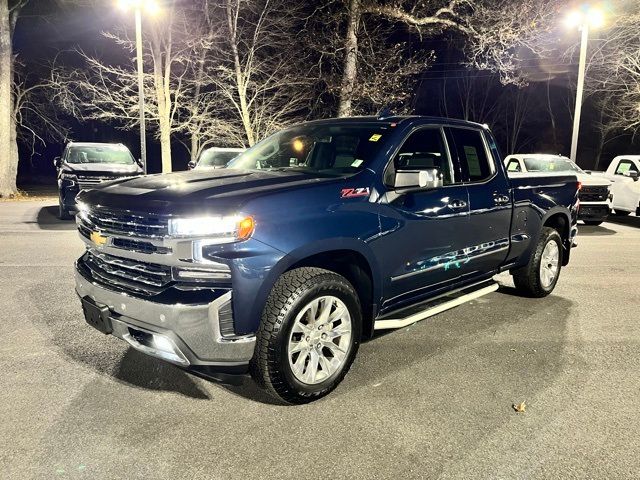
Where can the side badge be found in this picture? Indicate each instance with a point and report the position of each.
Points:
(355, 192)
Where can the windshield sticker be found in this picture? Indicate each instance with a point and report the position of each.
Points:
(357, 162)
(375, 137)
(355, 192)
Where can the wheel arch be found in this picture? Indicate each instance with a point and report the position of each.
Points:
(347, 257)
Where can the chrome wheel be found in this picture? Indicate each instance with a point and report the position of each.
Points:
(549, 264)
(319, 340)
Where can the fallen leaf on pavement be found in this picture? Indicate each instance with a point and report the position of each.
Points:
(520, 407)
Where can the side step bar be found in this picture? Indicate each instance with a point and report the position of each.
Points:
(385, 324)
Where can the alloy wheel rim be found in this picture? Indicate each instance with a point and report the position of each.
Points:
(549, 264)
(319, 340)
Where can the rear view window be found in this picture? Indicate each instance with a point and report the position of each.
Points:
(472, 154)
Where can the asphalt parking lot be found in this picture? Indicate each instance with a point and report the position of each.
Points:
(430, 401)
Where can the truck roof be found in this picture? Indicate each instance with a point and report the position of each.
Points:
(398, 119)
(93, 144)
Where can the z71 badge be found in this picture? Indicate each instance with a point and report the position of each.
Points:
(355, 192)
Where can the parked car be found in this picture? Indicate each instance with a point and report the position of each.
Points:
(85, 165)
(310, 241)
(215, 157)
(595, 197)
(623, 172)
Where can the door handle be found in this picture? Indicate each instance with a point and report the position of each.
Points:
(457, 204)
(499, 199)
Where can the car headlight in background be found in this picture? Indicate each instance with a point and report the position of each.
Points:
(70, 177)
(226, 229)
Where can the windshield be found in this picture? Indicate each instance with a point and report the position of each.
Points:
(117, 154)
(216, 158)
(325, 149)
(551, 164)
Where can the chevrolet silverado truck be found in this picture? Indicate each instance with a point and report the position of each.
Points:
(595, 197)
(623, 172)
(85, 165)
(283, 262)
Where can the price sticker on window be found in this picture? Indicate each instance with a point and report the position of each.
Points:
(375, 137)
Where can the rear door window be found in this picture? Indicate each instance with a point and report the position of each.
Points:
(472, 154)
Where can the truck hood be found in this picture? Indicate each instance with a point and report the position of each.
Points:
(592, 180)
(112, 168)
(197, 191)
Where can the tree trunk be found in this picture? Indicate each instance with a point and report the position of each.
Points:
(350, 71)
(7, 180)
(164, 103)
(241, 85)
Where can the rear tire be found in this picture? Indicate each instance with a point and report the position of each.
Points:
(539, 277)
(308, 336)
(594, 223)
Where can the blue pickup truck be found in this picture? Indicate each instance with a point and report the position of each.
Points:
(283, 262)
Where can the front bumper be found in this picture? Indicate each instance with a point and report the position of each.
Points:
(594, 211)
(192, 330)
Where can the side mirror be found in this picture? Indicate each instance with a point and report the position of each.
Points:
(57, 162)
(631, 174)
(413, 180)
(191, 165)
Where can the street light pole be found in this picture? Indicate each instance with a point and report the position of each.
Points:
(579, 93)
(143, 138)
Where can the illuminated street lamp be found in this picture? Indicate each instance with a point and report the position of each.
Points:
(584, 19)
(151, 7)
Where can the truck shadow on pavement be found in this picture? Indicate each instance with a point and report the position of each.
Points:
(431, 352)
(593, 231)
(47, 219)
(630, 221)
(106, 355)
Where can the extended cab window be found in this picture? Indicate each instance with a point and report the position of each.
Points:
(424, 149)
(472, 154)
(626, 166)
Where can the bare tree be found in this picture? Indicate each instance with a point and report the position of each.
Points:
(108, 92)
(259, 70)
(9, 13)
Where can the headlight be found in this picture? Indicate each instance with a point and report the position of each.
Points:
(83, 210)
(68, 176)
(222, 229)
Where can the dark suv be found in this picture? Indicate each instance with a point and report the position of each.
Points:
(84, 165)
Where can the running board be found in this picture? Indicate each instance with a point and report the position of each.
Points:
(385, 324)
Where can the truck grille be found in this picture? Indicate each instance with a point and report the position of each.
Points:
(89, 181)
(139, 277)
(594, 194)
(126, 223)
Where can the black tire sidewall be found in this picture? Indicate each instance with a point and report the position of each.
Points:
(322, 287)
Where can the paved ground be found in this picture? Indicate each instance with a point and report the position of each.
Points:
(431, 401)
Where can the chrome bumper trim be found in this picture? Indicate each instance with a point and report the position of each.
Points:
(194, 329)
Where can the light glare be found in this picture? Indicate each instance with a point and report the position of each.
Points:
(592, 16)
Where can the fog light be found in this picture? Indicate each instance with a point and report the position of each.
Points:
(162, 343)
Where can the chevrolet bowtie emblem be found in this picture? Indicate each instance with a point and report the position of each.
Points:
(98, 239)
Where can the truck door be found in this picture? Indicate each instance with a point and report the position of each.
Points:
(625, 192)
(490, 206)
(423, 232)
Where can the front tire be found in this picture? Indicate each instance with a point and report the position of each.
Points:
(63, 214)
(309, 335)
(540, 276)
(621, 213)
